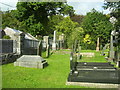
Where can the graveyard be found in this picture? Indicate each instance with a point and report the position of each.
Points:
(48, 45)
(53, 76)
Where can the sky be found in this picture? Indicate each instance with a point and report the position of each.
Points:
(80, 6)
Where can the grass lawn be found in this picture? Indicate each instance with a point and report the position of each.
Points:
(53, 76)
(97, 58)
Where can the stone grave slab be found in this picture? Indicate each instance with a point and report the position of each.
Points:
(32, 61)
(94, 66)
(95, 76)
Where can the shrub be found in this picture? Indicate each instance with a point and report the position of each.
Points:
(6, 37)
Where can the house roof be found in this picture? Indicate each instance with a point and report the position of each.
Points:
(10, 31)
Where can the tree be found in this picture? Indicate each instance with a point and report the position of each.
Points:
(115, 11)
(53, 21)
(76, 36)
(35, 15)
(77, 18)
(9, 20)
(67, 26)
(97, 25)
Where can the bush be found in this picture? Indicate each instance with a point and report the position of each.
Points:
(6, 37)
(86, 46)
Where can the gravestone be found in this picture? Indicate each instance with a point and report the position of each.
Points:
(104, 48)
(20, 43)
(32, 61)
(39, 49)
(78, 55)
(73, 62)
(46, 41)
(61, 41)
(111, 52)
(54, 45)
(98, 43)
(93, 74)
(115, 47)
(47, 51)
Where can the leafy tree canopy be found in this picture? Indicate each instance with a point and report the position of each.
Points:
(8, 20)
(115, 11)
(77, 18)
(96, 24)
(35, 15)
(66, 26)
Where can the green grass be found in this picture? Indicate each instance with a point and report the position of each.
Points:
(53, 76)
(97, 58)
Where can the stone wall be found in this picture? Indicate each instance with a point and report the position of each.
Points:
(7, 46)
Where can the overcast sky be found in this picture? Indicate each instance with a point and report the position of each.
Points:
(80, 6)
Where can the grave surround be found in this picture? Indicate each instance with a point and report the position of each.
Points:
(32, 61)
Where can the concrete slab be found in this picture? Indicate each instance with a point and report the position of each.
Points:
(32, 61)
(93, 85)
(95, 76)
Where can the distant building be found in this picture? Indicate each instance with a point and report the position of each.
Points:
(12, 33)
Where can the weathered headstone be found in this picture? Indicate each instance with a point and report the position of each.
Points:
(78, 55)
(54, 46)
(104, 48)
(47, 51)
(73, 62)
(98, 43)
(61, 41)
(112, 52)
(32, 61)
(39, 49)
(20, 43)
(46, 40)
